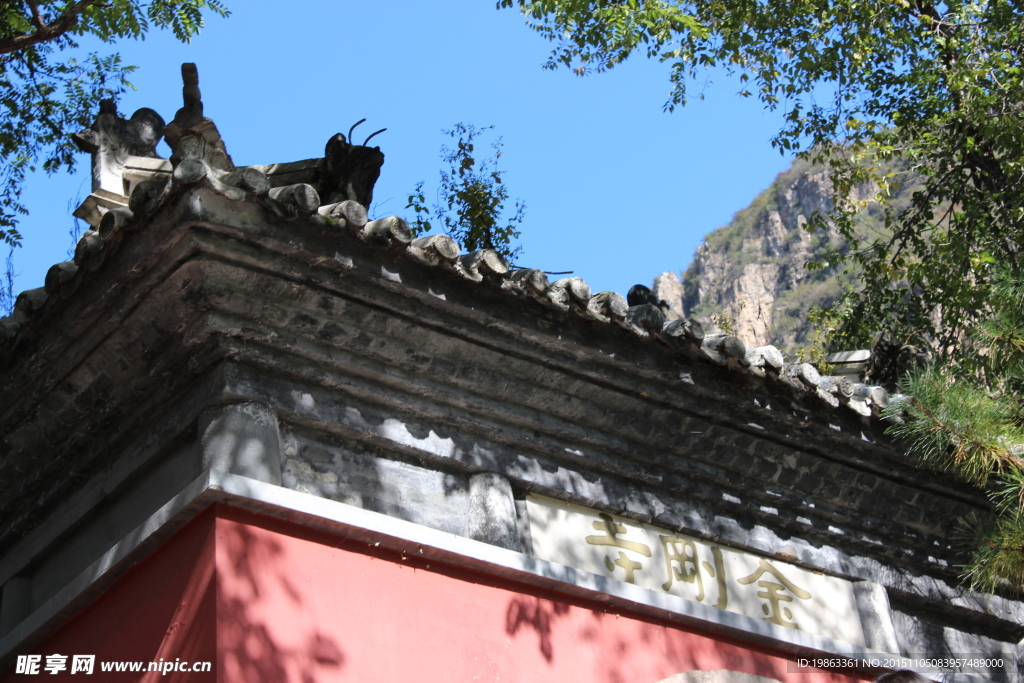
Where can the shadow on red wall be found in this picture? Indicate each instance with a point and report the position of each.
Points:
(253, 579)
(270, 601)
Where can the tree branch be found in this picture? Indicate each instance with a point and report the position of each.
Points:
(44, 31)
(37, 16)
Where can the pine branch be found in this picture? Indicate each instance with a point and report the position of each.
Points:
(1002, 457)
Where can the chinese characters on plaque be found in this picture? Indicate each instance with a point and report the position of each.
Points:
(773, 591)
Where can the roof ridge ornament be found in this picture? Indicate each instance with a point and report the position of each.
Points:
(112, 139)
(350, 170)
(198, 153)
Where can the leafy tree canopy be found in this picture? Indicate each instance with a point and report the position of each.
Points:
(471, 197)
(45, 95)
(936, 90)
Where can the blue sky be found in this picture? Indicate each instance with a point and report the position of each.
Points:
(616, 190)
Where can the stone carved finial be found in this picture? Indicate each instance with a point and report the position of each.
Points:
(112, 139)
(684, 333)
(199, 151)
(482, 264)
(350, 171)
(529, 281)
(192, 112)
(568, 291)
(608, 307)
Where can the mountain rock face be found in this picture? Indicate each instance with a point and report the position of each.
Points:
(750, 275)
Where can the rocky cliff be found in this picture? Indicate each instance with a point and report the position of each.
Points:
(752, 271)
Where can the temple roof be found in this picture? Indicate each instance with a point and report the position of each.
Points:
(131, 183)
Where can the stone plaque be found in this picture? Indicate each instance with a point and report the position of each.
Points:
(768, 589)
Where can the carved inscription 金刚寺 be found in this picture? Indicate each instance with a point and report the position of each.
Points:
(611, 537)
(725, 578)
(773, 594)
(680, 552)
(683, 564)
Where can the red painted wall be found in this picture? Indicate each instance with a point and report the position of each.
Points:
(164, 607)
(296, 605)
